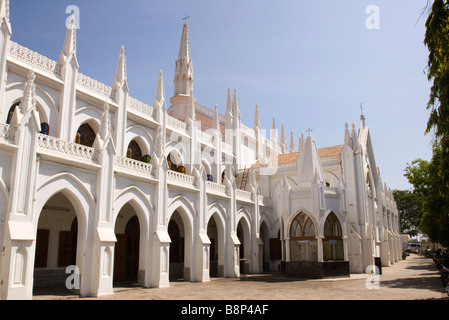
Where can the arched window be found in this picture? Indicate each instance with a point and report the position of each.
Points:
(85, 135)
(134, 151)
(175, 162)
(11, 112)
(333, 239)
(45, 128)
(303, 243)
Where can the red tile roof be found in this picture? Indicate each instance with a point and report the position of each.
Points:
(322, 152)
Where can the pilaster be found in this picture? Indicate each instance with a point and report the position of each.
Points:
(17, 263)
(68, 65)
(104, 238)
(120, 95)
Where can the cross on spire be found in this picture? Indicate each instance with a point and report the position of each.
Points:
(309, 131)
(185, 19)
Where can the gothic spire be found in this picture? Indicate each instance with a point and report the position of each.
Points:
(184, 66)
(229, 102)
(159, 100)
(120, 75)
(310, 169)
(301, 143)
(257, 124)
(292, 143)
(348, 140)
(283, 141)
(70, 41)
(228, 114)
(184, 48)
(216, 120)
(235, 106)
(4, 9)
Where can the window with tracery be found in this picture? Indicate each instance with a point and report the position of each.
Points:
(333, 239)
(85, 135)
(303, 244)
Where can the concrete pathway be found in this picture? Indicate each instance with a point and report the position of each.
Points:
(415, 278)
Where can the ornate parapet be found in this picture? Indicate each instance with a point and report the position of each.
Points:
(66, 147)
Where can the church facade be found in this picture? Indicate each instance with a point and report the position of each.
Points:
(98, 187)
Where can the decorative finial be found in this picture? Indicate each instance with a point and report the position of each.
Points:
(185, 19)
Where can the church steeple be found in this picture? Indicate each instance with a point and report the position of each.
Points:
(184, 65)
(183, 83)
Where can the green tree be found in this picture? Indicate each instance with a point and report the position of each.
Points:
(427, 183)
(437, 41)
(409, 206)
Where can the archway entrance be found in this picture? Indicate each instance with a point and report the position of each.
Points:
(56, 244)
(177, 247)
(215, 232)
(127, 247)
(245, 246)
(333, 239)
(266, 264)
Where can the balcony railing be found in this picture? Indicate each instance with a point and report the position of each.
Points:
(66, 147)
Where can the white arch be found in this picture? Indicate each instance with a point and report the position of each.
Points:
(144, 211)
(142, 136)
(187, 213)
(243, 213)
(216, 207)
(45, 103)
(91, 116)
(340, 218)
(292, 217)
(206, 165)
(143, 208)
(84, 206)
(178, 151)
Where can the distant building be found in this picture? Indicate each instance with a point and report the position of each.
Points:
(93, 178)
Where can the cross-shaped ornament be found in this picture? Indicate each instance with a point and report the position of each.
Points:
(185, 19)
(309, 131)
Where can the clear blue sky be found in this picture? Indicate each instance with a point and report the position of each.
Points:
(306, 63)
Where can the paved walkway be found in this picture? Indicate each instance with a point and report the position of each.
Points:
(415, 278)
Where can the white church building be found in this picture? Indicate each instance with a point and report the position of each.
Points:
(95, 181)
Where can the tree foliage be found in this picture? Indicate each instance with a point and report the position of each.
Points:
(409, 206)
(427, 181)
(437, 42)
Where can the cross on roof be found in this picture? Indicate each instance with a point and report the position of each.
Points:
(185, 19)
(309, 131)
